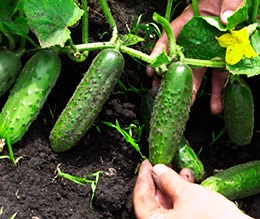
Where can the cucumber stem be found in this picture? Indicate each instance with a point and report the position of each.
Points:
(168, 10)
(140, 55)
(205, 63)
(85, 22)
(110, 19)
(195, 8)
(135, 53)
(9, 37)
(168, 30)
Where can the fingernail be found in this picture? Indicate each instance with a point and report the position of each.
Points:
(159, 169)
(226, 14)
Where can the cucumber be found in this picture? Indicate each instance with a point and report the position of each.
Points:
(170, 113)
(185, 157)
(238, 110)
(10, 67)
(237, 182)
(29, 94)
(87, 100)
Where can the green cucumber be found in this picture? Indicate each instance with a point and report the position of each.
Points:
(237, 182)
(170, 113)
(185, 157)
(238, 110)
(10, 67)
(29, 94)
(87, 100)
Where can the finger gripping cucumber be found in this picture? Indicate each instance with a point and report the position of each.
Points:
(10, 67)
(170, 113)
(238, 111)
(87, 100)
(237, 182)
(29, 94)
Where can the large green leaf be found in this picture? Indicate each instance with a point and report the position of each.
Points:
(198, 39)
(50, 19)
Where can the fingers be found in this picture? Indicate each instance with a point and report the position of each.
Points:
(198, 74)
(228, 8)
(217, 86)
(187, 174)
(168, 181)
(144, 192)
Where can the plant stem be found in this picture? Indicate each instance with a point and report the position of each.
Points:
(9, 36)
(168, 10)
(32, 42)
(136, 53)
(140, 55)
(255, 5)
(85, 28)
(205, 63)
(10, 149)
(110, 19)
(195, 8)
(168, 30)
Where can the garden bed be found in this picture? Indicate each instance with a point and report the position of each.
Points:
(33, 187)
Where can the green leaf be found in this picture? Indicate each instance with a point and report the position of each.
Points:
(131, 39)
(198, 39)
(161, 61)
(239, 16)
(249, 67)
(215, 22)
(14, 24)
(49, 20)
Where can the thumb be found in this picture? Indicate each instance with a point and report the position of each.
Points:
(167, 180)
(228, 8)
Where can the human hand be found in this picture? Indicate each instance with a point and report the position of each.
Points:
(161, 193)
(220, 8)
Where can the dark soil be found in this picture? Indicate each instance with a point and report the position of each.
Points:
(33, 188)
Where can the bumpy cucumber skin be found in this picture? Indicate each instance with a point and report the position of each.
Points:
(237, 182)
(185, 157)
(87, 100)
(10, 67)
(28, 95)
(239, 111)
(170, 113)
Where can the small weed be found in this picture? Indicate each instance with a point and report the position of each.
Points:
(151, 30)
(83, 181)
(131, 88)
(52, 113)
(11, 153)
(2, 213)
(131, 134)
(216, 137)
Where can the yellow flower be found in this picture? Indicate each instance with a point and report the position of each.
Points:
(237, 44)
